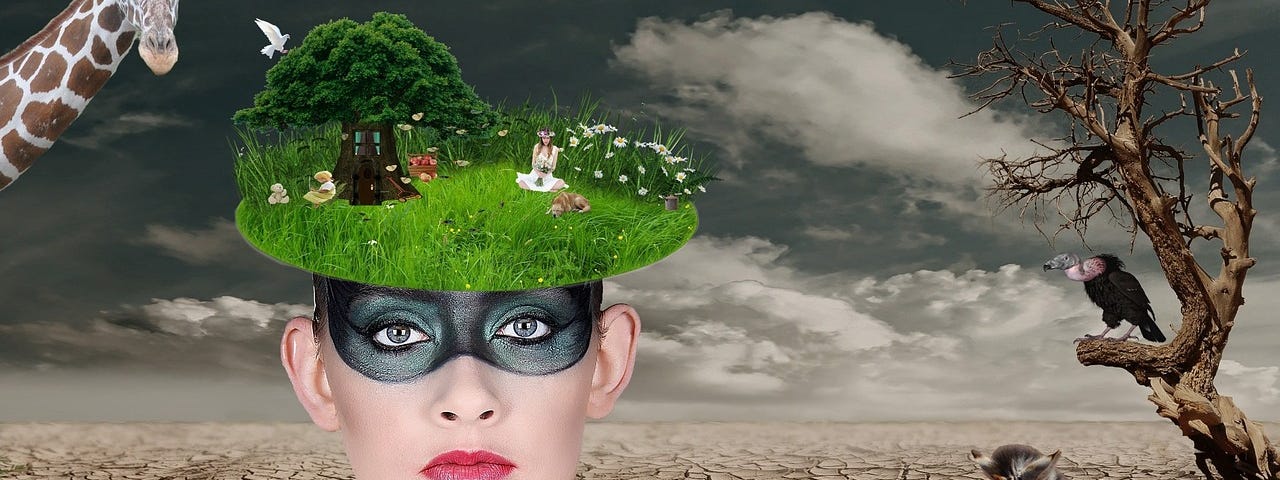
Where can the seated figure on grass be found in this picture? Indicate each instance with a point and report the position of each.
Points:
(325, 192)
(545, 156)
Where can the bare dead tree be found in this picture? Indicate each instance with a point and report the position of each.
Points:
(1114, 160)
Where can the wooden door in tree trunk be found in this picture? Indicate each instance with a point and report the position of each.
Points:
(371, 146)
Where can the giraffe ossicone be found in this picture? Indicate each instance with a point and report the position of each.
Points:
(50, 78)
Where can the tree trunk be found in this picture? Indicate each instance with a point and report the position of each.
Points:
(369, 163)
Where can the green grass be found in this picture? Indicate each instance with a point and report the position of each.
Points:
(475, 229)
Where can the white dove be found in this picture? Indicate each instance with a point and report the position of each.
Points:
(273, 34)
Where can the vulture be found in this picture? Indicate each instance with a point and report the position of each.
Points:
(1018, 462)
(1112, 289)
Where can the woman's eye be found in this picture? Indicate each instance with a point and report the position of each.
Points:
(525, 329)
(399, 336)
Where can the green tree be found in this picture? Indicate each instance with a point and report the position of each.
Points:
(368, 76)
(382, 71)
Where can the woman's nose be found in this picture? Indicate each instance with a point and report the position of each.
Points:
(466, 394)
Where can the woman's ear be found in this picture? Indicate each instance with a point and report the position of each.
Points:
(616, 358)
(300, 355)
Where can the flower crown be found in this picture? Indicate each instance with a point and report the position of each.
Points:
(544, 133)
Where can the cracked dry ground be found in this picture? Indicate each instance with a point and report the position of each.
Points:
(935, 451)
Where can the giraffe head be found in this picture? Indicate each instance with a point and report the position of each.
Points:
(155, 19)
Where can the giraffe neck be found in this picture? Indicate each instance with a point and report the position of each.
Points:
(48, 80)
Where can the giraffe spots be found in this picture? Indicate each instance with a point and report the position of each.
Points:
(85, 7)
(10, 97)
(110, 18)
(30, 65)
(101, 53)
(76, 34)
(50, 75)
(86, 79)
(50, 38)
(124, 42)
(48, 119)
(20, 153)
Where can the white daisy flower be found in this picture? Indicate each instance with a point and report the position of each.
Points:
(461, 131)
(578, 168)
(643, 191)
(588, 147)
(502, 133)
(599, 174)
(619, 142)
(680, 177)
(702, 189)
(372, 242)
(640, 168)
(670, 159)
(608, 155)
(573, 141)
(622, 178)
(687, 192)
(601, 128)
(588, 134)
(661, 149)
(405, 127)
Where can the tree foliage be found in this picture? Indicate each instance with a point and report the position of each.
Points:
(384, 70)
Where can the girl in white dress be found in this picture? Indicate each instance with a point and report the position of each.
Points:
(545, 155)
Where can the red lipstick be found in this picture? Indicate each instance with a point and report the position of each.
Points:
(460, 465)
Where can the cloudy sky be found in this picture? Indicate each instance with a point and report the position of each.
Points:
(847, 268)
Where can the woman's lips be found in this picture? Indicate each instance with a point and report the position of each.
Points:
(460, 465)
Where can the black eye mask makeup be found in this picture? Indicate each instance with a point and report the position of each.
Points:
(397, 335)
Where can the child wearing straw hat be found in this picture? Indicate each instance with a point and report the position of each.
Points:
(325, 192)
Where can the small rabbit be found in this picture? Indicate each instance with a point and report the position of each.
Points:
(1018, 462)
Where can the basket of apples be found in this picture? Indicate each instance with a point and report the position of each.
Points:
(423, 166)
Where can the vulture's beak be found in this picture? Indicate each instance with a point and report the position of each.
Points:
(1047, 267)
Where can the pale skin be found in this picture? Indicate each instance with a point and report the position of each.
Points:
(391, 430)
(544, 145)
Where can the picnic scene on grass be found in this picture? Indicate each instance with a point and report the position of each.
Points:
(509, 198)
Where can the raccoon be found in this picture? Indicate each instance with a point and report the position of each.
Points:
(568, 201)
(1018, 462)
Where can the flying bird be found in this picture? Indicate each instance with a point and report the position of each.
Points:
(273, 35)
(1018, 462)
(1112, 289)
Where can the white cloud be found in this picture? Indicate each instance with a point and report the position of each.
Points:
(196, 246)
(924, 345)
(225, 337)
(838, 91)
(1259, 383)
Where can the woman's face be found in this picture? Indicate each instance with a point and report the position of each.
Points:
(546, 140)
(461, 385)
